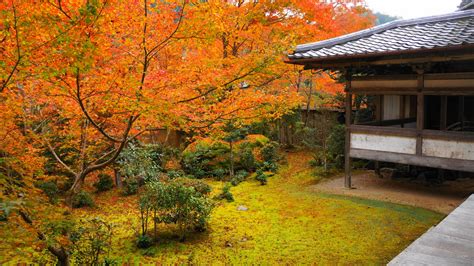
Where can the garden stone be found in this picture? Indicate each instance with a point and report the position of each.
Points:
(242, 208)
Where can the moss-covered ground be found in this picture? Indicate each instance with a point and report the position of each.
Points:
(286, 223)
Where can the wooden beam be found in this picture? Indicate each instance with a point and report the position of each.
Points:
(443, 163)
(347, 159)
(384, 91)
(392, 122)
(385, 131)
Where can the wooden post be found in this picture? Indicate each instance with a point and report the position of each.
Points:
(347, 159)
(461, 112)
(420, 113)
(443, 112)
(377, 169)
(379, 109)
(402, 110)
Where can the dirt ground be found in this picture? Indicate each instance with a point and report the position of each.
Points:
(442, 198)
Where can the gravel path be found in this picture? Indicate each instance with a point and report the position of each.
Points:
(441, 198)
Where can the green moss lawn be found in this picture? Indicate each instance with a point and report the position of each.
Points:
(286, 223)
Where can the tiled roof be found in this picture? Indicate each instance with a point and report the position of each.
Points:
(466, 4)
(443, 31)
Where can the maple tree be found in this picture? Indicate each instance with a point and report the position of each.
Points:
(81, 79)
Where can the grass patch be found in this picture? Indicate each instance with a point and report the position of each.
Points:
(286, 223)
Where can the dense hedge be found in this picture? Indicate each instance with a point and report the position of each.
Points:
(211, 158)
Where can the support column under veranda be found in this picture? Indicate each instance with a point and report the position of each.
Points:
(347, 158)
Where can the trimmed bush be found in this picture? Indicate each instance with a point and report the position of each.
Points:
(270, 152)
(261, 177)
(336, 145)
(177, 201)
(239, 177)
(202, 158)
(104, 183)
(130, 186)
(219, 173)
(246, 158)
(226, 194)
(50, 189)
(144, 241)
(175, 173)
(199, 186)
(82, 199)
(210, 158)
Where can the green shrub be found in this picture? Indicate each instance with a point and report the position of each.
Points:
(226, 194)
(270, 152)
(203, 158)
(104, 183)
(50, 189)
(270, 166)
(82, 199)
(239, 177)
(144, 241)
(336, 146)
(91, 240)
(177, 201)
(199, 186)
(246, 158)
(141, 161)
(175, 173)
(261, 177)
(219, 173)
(130, 186)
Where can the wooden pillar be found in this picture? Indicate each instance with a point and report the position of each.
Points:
(379, 118)
(402, 110)
(347, 159)
(379, 109)
(420, 113)
(377, 169)
(443, 112)
(461, 112)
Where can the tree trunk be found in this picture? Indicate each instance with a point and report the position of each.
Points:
(231, 159)
(155, 230)
(118, 178)
(77, 185)
(61, 254)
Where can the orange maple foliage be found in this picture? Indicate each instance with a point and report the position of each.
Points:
(89, 76)
(80, 79)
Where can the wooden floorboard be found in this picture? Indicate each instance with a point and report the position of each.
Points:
(451, 242)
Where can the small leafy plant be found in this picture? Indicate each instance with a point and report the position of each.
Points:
(261, 177)
(82, 199)
(104, 183)
(226, 194)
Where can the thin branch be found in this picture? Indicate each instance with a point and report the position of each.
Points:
(117, 151)
(153, 52)
(51, 149)
(60, 8)
(18, 50)
(215, 88)
(86, 113)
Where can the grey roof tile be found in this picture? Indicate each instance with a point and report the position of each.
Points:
(425, 33)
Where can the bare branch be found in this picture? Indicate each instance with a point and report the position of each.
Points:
(117, 151)
(51, 149)
(86, 113)
(18, 50)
